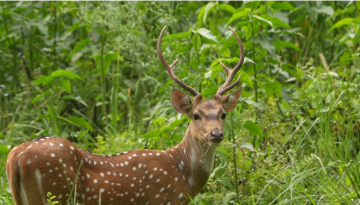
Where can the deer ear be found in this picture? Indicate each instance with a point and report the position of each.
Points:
(229, 100)
(181, 102)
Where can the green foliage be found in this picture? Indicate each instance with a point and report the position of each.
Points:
(88, 71)
(79, 47)
(101, 145)
(50, 199)
(253, 128)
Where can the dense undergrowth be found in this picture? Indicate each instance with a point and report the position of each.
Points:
(89, 72)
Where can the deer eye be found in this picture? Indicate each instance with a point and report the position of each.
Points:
(223, 116)
(196, 116)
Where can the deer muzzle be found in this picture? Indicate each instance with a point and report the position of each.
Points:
(216, 135)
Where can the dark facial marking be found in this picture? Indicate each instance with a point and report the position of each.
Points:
(220, 111)
(202, 112)
(211, 116)
(209, 105)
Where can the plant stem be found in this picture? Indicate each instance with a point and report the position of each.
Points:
(255, 74)
(234, 160)
(103, 78)
(55, 31)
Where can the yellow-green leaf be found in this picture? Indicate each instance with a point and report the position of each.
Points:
(342, 22)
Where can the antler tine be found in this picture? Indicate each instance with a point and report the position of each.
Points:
(233, 71)
(170, 68)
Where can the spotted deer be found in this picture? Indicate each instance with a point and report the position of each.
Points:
(174, 176)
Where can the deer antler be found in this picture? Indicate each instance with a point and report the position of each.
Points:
(233, 71)
(170, 68)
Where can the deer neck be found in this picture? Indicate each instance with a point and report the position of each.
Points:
(195, 161)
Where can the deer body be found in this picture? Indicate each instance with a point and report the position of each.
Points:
(54, 164)
(135, 177)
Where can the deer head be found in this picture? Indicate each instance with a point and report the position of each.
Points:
(207, 117)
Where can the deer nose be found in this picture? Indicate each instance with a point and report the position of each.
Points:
(216, 135)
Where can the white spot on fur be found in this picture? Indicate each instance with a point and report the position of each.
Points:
(39, 180)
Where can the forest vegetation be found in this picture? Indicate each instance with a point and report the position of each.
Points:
(89, 72)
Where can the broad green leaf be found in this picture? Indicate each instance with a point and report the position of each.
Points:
(176, 138)
(349, 10)
(357, 20)
(265, 42)
(66, 85)
(324, 9)
(176, 123)
(177, 36)
(332, 73)
(65, 73)
(159, 121)
(40, 24)
(207, 34)
(216, 62)
(348, 181)
(183, 49)
(282, 6)
(221, 166)
(43, 94)
(4, 149)
(253, 128)
(273, 87)
(292, 70)
(109, 57)
(273, 60)
(208, 74)
(214, 71)
(342, 22)
(227, 7)
(201, 13)
(225, 181)
(80, 122)
(275, 21)
(352, 195)
(209, 90)
(290, 31)
(248, 60)
(230, 42)
(35, 98)
(258, 105)
(77, 99)
(73, 27)
(263, 20)
(247, 145)
(244, 78)
(241, 14)
(208, 7)
(79, 47)
(151, 134)
(44, 80)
